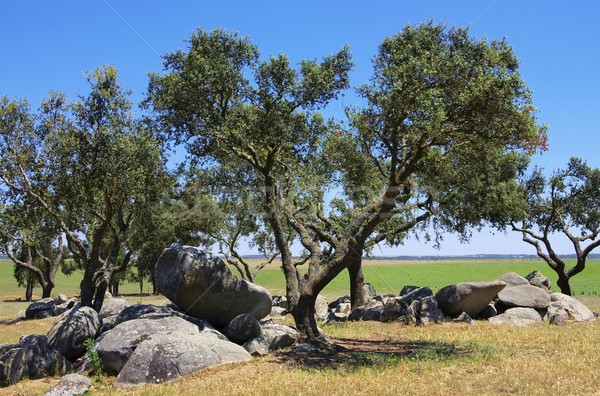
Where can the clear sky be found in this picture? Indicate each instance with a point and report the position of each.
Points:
(48, 45)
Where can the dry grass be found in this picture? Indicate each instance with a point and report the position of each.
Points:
(383, 359)
(380, 359)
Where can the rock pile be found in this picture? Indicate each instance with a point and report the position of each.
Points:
(511, 299)
(203, 286)
(214, 318)
(32, 358)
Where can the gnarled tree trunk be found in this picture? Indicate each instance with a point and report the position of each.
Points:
(357, 281)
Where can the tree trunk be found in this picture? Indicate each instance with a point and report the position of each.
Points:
(563, 283)
(155, 290)
(87, 288)
(99, 297)
(304, 316)
(357, 280)
(47, 290)
(29, 290)
(140, 279)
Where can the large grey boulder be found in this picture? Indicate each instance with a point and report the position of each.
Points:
(372, 312)
(518, 317)
(407, 308)
(70, 385)
(40, 309)
(32, 358)
(396, 309)
(526, 296)
(537, 279)
(513, 279)
(61, 299)
(242, 328)
(468, 297)
(149, 311)
(69, 331)
(273, 336)
(116, 346)
(277, 336)
(167, 356)
(112, 307)
(556, 314)
(203, 286)
(64, 307)
(574, 308)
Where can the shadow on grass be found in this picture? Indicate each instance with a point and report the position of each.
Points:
(352, 354)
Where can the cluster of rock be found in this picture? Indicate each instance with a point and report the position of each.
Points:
(511, 299)
(33, 357)
(212, 318)
(45, 308)
(528, 300)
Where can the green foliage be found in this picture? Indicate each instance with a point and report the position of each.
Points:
(24, 277)
(447, 127)
(86, 169)
(448, 120)
(94, 358)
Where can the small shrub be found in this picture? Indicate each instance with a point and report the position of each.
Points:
(92, 355)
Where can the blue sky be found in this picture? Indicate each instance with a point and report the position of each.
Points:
(50, 44)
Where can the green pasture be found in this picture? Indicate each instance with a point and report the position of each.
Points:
(387, 276)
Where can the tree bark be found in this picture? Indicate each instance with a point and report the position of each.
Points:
(304, 316)
(357, 280)
(99, 296)
(87, 286)
(155, 291)
(47, 290)
(29, 290)
(563, 283)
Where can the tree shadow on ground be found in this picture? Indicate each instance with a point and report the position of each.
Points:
(352, 354)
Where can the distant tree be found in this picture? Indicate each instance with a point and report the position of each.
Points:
(90, 167)
(28, 236)
(26, 279)
(447, 126)
(566, 203)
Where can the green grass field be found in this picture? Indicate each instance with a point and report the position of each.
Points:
(387, 276)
